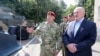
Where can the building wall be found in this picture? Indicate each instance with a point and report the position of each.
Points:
(97, 14)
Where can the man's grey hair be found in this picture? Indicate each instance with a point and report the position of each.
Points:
(81, 8)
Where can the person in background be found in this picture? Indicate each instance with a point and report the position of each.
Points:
(66, 20)
(23, 31)
(71, 17)
(63, 25)
(50, 35)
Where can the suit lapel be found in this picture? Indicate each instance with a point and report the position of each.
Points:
(81, 28)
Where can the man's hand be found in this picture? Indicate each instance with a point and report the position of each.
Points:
(72, 47)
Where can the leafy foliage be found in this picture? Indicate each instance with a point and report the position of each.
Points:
(36, 9)
(89, 8)
(70, 9)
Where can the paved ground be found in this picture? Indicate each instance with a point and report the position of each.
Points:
(96, 47)
(31, 47)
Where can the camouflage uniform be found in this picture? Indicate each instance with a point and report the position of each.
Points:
(51, 39)
(63, 26)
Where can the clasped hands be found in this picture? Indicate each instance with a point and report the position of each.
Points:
(72, 47)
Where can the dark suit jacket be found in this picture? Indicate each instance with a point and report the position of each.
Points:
(85, 38)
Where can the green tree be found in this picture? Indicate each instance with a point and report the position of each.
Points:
(89, 8)
(35, 9)
(69, 9)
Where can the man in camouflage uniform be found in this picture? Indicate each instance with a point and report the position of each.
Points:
(50, 35)
(63, 27)
(64, 24)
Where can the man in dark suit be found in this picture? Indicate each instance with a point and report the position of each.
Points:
(80, 35)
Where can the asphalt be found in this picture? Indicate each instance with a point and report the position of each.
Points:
(31, 47)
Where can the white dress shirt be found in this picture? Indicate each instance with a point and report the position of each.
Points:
(77, 25)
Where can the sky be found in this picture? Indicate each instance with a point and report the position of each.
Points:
(69, 2)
